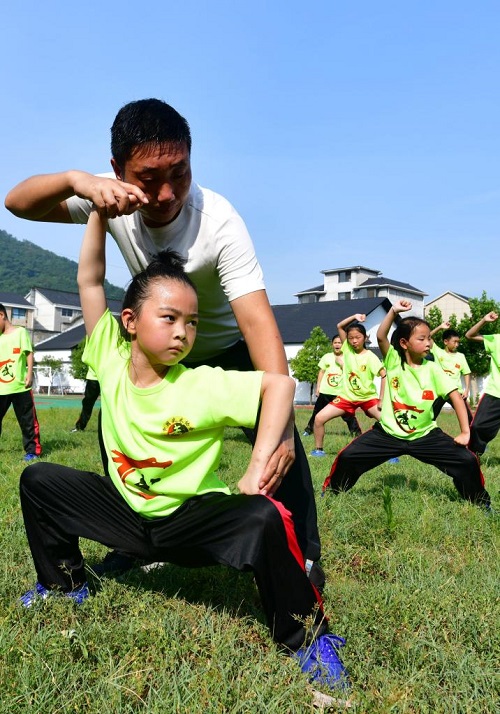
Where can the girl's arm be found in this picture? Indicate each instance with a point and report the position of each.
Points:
(472, 334)
(276, 412)
(360, 317)
(458, 405)
(91, 271)
(386, 324)
(383, 380)
(318, 381)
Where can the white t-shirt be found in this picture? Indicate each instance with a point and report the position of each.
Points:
(221, 259)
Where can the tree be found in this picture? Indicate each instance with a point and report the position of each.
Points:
(78, 368)
(50, 365)
(477, 358)
(305, 365)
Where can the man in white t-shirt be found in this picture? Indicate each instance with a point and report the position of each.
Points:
(151, 203)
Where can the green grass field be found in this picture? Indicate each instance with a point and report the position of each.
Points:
(413, 584)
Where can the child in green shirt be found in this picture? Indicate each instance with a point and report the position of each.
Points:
(455, 365)
(407, 424)
(162, 428)
(486, 422)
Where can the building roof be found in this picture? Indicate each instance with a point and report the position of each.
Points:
(71, 299)
(450, 292)
(15, 299)
(388, 282)
(296, 321)
(318, 289)
(352, 267)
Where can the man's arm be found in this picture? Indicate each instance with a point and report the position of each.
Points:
(258, 326)
(43, 197)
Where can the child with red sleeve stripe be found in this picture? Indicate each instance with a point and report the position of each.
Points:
(407, 424)
(161, 498)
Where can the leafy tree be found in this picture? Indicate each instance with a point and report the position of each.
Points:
(50, 365)
(477, 358)
(78, 368)
(434, 317)
(305, 365)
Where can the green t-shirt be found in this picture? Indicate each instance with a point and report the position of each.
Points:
(454, 364)
(492, 347)
(164, 443)
(407, 407)
(359, 371)
(14, 347)
(332, 378)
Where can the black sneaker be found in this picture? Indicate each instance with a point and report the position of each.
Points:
(115, 563)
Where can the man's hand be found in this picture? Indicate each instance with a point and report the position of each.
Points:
(111, 197)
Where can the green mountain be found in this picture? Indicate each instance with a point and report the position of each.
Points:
(25, 265)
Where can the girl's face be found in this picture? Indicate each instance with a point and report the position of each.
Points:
(418, 345)
(356, 339)
(165, 329)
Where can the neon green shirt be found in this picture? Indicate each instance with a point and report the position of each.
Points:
(14, 347)
(407, 407)
(454, 364)
(359, 371)
(492, 347)
(164, 443)
(332, 378)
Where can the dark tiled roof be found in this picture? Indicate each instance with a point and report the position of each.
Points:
(317, 289)
(64, 297)
(296, 321)
(64, 341)
(351, 267)
(14, 299)
(371, 282)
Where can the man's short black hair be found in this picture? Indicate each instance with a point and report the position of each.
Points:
(147, 121)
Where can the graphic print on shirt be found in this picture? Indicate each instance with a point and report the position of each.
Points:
(128, 466)
(177, 426)
(6, 371)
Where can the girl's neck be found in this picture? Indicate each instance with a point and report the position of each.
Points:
(413, 360)
(143, 374)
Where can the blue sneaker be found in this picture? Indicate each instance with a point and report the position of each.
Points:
(30, 457)
(394, 460)
(41, 593)
(318, 452)
(321, 661)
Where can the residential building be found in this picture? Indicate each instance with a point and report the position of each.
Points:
(358, 282)
(450, 303)
(19, 311)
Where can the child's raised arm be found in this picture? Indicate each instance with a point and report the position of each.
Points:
(276, 412)
(91, 271)
(359, 317)
(443, 326)
(386, 324)
(472, 334)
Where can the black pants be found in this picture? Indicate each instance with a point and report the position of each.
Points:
(486, 423)
(24, 409)
(440, 402)
(92, 391)
(321, 402)
(61, 504)
(296, 490)
(375, 446)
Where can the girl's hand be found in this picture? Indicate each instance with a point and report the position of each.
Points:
(490, 317)
(402, 306)
(360, 317)
(462, 439)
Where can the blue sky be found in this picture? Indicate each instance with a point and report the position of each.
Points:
(345, 133)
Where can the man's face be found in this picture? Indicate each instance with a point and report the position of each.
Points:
(164, 174)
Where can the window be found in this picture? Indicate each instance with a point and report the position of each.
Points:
(18, 313)
(66, 312)
(308, 298)
(344, 276)
(344, 296)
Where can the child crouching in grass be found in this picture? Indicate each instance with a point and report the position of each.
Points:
(407, 424)
(162, 429)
